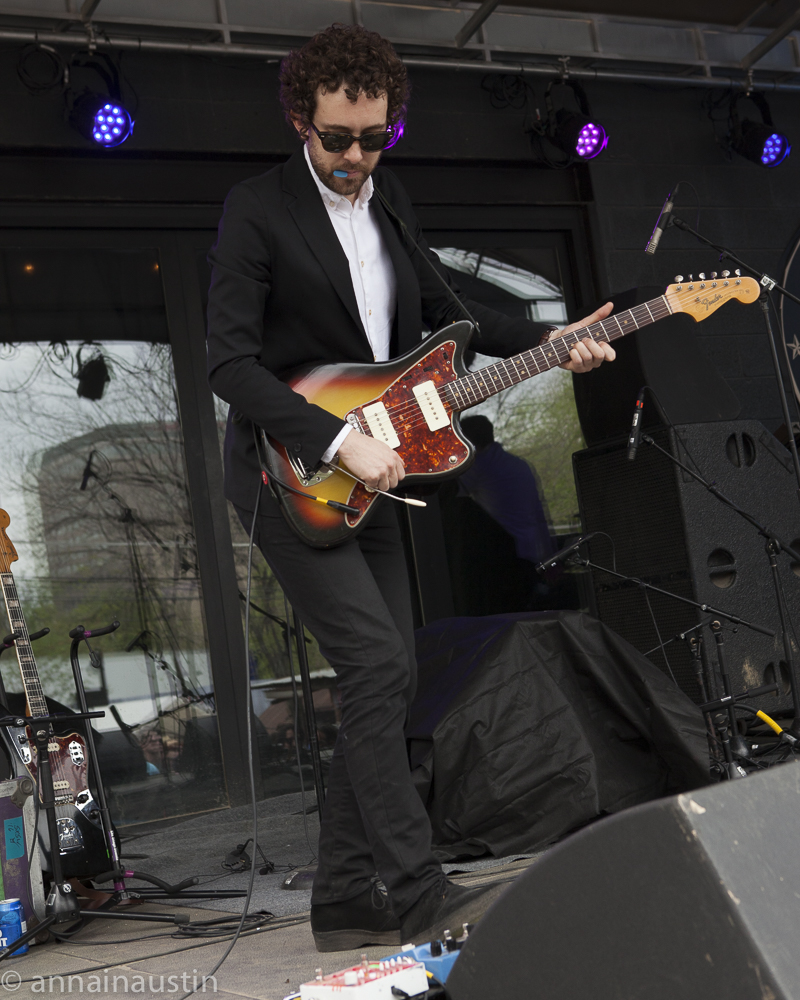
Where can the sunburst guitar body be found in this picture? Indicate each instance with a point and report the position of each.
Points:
(412, 403)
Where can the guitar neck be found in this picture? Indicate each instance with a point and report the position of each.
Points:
(27, 665)
(480, 385)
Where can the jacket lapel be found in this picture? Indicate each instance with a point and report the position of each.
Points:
(306, 208)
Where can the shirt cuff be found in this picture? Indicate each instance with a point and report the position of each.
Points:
(328, 455)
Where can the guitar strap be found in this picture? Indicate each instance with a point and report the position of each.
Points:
(406, 232)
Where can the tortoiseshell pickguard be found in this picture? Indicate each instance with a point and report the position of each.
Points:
(424, 452)
(345, 389)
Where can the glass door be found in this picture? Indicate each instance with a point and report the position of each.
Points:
(95, 482)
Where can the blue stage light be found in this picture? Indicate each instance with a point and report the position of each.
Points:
(758, 142)
(112, 125)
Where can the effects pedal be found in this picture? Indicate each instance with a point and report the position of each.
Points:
(384, 980)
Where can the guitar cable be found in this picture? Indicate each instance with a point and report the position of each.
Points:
(249, 743)
(267, 474)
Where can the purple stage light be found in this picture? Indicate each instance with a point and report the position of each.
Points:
(592, 140)
(399, 128)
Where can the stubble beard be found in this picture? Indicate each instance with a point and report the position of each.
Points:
(341, 185)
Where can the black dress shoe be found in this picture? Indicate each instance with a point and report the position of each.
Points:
(365, 919)
(445, 906)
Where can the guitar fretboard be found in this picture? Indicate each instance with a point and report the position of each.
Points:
(27, 664)
(477, 386)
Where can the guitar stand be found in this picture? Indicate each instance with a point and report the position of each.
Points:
(62, 904)
(118, 871)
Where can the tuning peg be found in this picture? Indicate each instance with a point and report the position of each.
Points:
(738, 273)
(691, 279)
(701, 276)
(679, 278)
(726, 274)
(713, 275)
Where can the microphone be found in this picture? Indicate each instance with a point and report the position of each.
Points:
(636, 425)
(87, 471)
(563, 553)
(664, 220)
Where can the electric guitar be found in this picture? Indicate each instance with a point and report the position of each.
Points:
(80, 836)
(412, 404)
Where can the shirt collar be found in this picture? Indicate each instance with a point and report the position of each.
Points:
(331, 198)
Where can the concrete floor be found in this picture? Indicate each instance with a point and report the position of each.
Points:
(266, 965)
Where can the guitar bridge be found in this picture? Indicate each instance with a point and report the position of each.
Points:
(308, 477)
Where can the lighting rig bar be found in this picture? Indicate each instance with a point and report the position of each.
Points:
(599, 46)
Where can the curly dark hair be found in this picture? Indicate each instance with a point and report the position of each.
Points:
(343, 54)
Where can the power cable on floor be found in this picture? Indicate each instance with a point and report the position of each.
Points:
(286, 922)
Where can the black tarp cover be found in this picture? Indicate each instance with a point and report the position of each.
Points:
(527, 726)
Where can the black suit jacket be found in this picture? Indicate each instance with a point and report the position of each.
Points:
(281, 296)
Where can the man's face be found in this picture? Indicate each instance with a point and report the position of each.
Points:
(337, 113)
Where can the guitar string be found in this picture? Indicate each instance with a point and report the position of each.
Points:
(454, 393)
(30, 679)
(552, 354)
(474, 389)
(512, 371)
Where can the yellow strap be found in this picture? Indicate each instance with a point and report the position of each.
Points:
(770, 722)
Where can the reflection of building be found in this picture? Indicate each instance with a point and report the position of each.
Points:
(132, 520)
(124, 547)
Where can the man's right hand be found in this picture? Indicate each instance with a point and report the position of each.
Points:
(378, 465)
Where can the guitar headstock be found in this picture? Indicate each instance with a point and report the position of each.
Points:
(8, 553)
(699, 298)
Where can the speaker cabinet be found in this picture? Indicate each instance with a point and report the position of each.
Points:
(668, 530)
(689, 898)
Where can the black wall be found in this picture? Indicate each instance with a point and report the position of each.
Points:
(203, 124)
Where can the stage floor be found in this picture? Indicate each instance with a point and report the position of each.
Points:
(265, 965)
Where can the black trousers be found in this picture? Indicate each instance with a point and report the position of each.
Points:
(355, 601)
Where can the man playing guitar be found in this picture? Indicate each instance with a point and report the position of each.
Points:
(310, 267)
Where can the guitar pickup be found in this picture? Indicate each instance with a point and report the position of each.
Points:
(431, 405)
(59, 786)
(380, 424)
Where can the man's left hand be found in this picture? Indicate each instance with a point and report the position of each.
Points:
(588, 354)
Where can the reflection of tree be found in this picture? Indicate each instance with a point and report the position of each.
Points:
(123, 547)
(542, 427)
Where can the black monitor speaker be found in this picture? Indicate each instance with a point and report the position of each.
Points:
(692, 897)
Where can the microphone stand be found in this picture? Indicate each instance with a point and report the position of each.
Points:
(733, 744)
(578, 560)
(774, 545)
(768, 284)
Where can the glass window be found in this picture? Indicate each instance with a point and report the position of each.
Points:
(94, 483)
(279, 717)
(505, 513)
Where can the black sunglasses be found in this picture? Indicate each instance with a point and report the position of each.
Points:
(370, 142)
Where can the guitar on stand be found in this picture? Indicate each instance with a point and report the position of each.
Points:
(81, 844)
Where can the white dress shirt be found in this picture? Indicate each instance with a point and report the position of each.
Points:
(371, 270)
